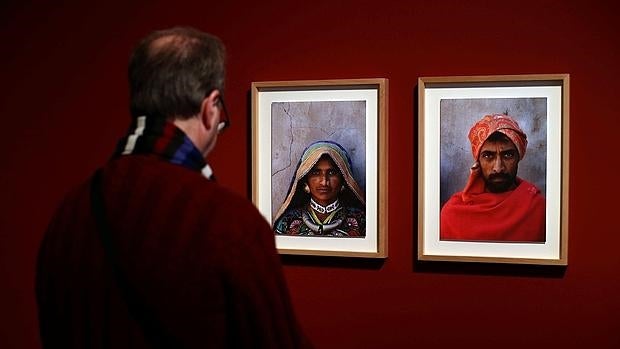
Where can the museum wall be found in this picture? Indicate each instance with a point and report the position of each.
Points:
(64, 97)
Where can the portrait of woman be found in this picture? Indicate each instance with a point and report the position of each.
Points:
(323, 198)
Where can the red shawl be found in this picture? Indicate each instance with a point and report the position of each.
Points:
(517, 215)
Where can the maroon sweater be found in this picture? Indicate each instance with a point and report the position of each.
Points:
(201, 259)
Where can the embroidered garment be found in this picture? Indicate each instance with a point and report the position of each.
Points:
(295, 216)
(344, 222)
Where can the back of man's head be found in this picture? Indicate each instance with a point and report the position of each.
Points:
(171, 71)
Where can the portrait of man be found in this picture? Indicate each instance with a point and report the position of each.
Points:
(497, 204)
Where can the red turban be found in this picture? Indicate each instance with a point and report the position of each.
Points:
(497, 123)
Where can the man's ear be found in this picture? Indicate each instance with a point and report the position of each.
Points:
(209, 110)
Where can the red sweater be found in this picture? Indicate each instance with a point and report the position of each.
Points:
(201, 258)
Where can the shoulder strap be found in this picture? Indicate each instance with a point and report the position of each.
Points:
(153, 331)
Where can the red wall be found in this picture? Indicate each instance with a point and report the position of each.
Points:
(63, 104)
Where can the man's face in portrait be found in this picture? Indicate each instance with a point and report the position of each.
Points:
(499, 162)
(324, 181)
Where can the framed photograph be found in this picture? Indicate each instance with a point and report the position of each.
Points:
(319, 162)
(493, 169)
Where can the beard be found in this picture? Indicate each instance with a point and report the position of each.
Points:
(500, 182)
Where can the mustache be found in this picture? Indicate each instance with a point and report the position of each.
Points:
(505, 176)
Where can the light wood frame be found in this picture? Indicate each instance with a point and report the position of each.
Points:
(374, 93)
(554, 251)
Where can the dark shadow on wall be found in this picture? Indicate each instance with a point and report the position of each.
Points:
(489, 269)
(333, 262)
(416, 175)
(249, 136)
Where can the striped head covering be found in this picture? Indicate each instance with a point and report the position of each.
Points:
(309, 158)
(497, 123)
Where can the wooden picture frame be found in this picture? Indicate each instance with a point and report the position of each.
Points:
(288, 116)
(448, 107)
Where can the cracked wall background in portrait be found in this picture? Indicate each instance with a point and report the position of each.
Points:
(457, 118)
(294, 125)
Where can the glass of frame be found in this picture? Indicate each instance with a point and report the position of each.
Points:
(501, 200)
(323, 140)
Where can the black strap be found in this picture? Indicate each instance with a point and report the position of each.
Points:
(153, 331)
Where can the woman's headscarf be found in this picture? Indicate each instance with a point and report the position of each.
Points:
(309, 158)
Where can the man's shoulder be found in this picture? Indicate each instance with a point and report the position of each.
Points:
(455, 199)
(530, 188)
(167, 181)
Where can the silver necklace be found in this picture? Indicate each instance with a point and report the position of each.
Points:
(319, 229)
(324, 209)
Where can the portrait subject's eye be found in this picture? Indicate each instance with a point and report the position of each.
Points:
(487, 155)
(509, 155)
(332, 172)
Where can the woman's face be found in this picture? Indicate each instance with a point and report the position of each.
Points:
(324, 181)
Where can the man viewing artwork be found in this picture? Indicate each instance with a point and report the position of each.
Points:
(151, 252)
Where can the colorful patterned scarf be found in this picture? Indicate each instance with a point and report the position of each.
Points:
(162, 138)
(497, 123)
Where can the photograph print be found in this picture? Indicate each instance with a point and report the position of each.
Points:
(314, 142)
(493, 184)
